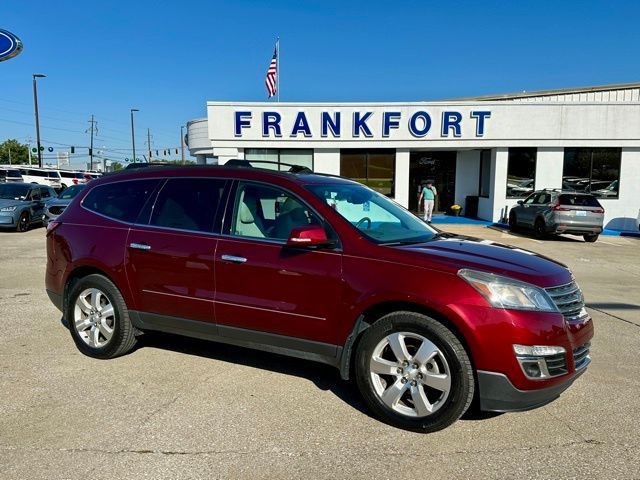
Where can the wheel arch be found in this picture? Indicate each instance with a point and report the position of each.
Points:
(78, 273)
(375, 312)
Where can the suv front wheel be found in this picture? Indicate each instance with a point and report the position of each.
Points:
(413, 372)
(98, 318)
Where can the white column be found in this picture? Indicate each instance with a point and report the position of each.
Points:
(401, 181)
(549, 165)
(326, 160)
(467, 175)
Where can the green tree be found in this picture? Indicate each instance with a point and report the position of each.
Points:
(116, 166)
(18, 151)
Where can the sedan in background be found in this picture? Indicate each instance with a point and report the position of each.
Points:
(56, 206)
(22, 204)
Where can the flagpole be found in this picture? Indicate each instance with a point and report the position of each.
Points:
(278, 67)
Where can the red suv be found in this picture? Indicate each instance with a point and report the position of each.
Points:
(321, 268)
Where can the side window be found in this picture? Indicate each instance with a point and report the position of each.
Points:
(188, 204)
(35, 194)
(532, 198)
(45, 193)
(121, 200)
(544, 199)
(267, 212)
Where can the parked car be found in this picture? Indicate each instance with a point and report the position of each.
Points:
(42, 176)
(70, 177)
(521, 188)
(320, 268)
(554, 212)
(610, 190)
(8, 174)
(54, 207)
(21, 204)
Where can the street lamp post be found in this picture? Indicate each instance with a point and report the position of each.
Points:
(133, 135)
(35, 106)
(182, 143)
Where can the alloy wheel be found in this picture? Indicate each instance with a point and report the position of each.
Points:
(94, 317)
(410, 374)
(23, 223)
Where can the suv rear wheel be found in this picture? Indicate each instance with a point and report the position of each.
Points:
(98, 318)
(540, 229)
(591, 237)
(413, 372)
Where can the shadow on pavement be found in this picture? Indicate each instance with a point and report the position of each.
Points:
(614, 305)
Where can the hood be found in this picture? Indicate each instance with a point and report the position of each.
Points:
(456, 252)
(10, 202)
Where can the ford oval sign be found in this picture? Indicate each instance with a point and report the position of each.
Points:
(10, 45)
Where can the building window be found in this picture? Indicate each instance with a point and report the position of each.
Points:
(592, 170)
(373, 168)
(485, 173)
(288, 156)
(521, 172)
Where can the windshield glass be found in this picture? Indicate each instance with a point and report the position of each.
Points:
(11, 191)
(373, 214)
(70, 192)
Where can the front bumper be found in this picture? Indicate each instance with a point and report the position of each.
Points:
(497, 393)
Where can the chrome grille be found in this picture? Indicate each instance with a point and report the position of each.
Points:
(569, 300)
(581, 357)
(56, 210)
(556, 364)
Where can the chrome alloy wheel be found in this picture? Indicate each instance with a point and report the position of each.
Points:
(410, 374)
(94, 317)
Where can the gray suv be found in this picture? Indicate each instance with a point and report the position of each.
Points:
(556, 212)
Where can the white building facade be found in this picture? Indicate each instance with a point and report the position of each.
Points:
(483, 153)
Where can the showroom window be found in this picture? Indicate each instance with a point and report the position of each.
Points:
(373, 168)
(291, 156)
(485, 173)
(592, 170)
(521, 172)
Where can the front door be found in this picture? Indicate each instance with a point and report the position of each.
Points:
(437, 166)
(263, 285)
(170, 258)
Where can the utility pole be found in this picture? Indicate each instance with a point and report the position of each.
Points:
(35, 106)
(149, 142)
(9, 146)
(133, 135)
(92, 122)
(182, 143)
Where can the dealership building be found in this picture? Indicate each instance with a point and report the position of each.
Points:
(483, 153)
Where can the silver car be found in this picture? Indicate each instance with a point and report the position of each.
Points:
(554, 212)
(22, 204)
(54, 207)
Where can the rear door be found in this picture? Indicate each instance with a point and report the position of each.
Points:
(171, 250)
(264, 286)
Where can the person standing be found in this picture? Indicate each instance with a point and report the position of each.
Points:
(429, 193)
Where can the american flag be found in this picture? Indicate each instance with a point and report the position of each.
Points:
(272, 74)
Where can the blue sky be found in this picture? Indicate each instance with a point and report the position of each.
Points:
(168, 58)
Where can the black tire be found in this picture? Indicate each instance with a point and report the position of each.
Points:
(591, 237)
(540, 229)
(513, 222)
(23, 222)
(461, 376)
(123, 338)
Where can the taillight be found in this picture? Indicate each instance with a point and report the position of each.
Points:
(558, 208)
(75, 181)
(599, 210)
(52, 226)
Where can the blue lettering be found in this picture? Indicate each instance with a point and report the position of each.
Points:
(301, 125)
(480, 116)
(451, 120)
(243, 120)
(329, 123)
(360, 124)
(413, 124)
(389, 120)
(271, 120)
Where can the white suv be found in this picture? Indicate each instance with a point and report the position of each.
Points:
(71, 177)
(43, 176)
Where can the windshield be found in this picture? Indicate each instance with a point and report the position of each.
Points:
(377, 217)
(10, 191)
(70, 192)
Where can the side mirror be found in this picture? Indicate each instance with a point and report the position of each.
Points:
(308, 236)
(520, 202)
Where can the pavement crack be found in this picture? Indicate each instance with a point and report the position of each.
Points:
(613, 316)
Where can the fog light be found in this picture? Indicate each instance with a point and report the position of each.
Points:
(532, 368)
(533, 360)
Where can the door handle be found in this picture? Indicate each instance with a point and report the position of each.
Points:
(140, 246)
(233, 258)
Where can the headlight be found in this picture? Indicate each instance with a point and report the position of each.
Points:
(8, 209)
(505, 292)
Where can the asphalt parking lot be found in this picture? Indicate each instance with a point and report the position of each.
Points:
(181, 408)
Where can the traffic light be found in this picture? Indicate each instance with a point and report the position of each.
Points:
(90, 151)
(73, 149)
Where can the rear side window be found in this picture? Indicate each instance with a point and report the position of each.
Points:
(120, 201)
(188, 204)
(579, 200)
(45, 193)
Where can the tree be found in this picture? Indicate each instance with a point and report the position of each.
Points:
(19, 152)
(116, 166)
